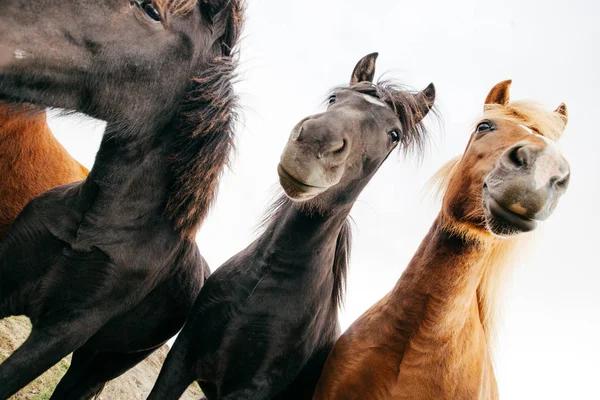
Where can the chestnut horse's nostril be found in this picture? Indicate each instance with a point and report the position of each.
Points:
(520, 156)
(559, 181)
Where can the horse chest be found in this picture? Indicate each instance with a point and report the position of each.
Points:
(445, 368)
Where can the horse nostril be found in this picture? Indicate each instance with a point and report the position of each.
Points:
(520, 156)
(341, 148)
(559, 182)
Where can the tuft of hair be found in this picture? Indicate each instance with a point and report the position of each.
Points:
(497, 268)
(175, 7)
(205, 133)
(531, 114)
(341, 261)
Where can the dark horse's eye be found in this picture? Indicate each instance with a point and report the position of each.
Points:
(332, 99)
(395, 135)
(484, 127)
(148, 8)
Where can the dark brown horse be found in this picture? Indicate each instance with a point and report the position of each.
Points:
(429, 338)
(108, 268)
(265, 321)
(31, 160)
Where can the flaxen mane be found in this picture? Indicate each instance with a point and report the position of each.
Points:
(501, 252)
(205, 127)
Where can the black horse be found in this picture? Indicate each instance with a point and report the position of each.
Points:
(108, 268)
(265, 321)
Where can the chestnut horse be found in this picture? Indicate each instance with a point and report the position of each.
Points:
(429, 338)
(108, 268)
(31, 160)
(265, 321)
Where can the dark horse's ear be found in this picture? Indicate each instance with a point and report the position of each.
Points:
(424, 100)
(365, 69)
(500, 93)
(210, 8)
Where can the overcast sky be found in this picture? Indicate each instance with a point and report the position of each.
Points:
(294, 52)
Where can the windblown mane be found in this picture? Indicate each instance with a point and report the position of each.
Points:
(203, 144)
(496, 264)
(341, 260)
(205, 127)
(404, 103)
(530, 114)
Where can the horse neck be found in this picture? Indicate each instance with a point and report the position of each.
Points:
(308, 246)
(441, 282)
(130, 174)
(171, 169)
(301, 236)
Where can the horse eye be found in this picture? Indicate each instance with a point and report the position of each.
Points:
(148, 8)
(332, 99)
(484, 127)
(395, 135)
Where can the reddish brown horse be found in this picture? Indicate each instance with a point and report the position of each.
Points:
(429, 338)
(31, 160)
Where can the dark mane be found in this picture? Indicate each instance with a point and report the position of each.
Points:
(205, 126)
(404, 103)
(343, 246)
(199, 153)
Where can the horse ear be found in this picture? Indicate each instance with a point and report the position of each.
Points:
(425, 99)
(563, 113)
(365, 69)
(213, 7)
(500, 94)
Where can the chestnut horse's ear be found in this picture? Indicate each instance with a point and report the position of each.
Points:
(563, 113)
(365, 69)
(500, 94)
(425, 99)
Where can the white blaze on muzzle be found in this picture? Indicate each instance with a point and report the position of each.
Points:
(547, 164)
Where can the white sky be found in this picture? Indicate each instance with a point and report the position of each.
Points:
(294, 52)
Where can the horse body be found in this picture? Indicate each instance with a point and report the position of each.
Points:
(32, 160)
(264, 322)
(100, 245)
(243, 302)
(386, 353)
(430, 337)
(108, 268)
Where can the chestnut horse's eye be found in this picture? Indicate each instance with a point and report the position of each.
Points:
(395, 135)
(148, 8)
(332, 99)
(484, 127)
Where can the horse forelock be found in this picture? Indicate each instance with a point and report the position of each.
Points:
(403, 102)
(530, 114)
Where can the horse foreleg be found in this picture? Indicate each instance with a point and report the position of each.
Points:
(87, 377)
(175, 375)
(43, 348)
